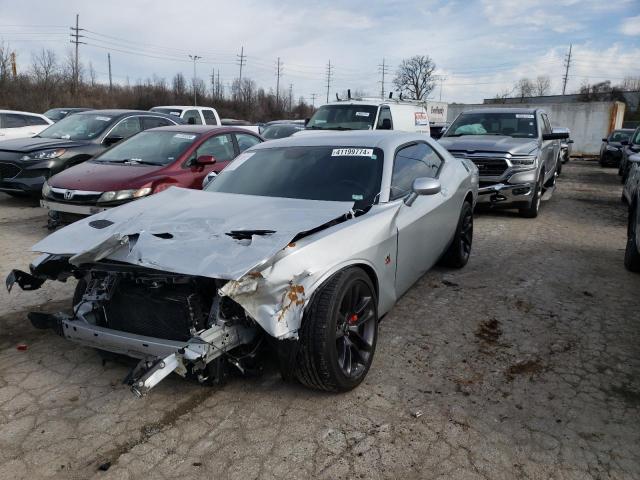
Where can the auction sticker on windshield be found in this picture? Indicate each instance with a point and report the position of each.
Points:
(103, 119)
(352, 152)
(184, 135)
(362, 114)
(524, 115)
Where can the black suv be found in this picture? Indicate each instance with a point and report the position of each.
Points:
(25, 163)
(611, 148)
(629, 147)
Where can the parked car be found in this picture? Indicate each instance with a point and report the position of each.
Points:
(305, 242)
(566, 146)
(14, 124)
(611, 148)
(629, 147)
(233, 122)
(515, 151)
(190, 114)
(281, 130)
(26, 163)
(57, 114)
(146, 163)
(371, 114)
(438, 129)
(631, 194)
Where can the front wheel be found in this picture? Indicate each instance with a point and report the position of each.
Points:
(632, 253)
(534, 206)
(339, 333)
(459, 251)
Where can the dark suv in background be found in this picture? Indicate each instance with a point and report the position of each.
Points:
(629, 147)
(611, 148)
(26, 163)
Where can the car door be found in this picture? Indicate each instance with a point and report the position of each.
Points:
(548, 149)
(221, 147)
(153, 122)
(245, 141)
(424, 228)
(14, 125)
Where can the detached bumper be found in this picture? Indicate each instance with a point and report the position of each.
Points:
(69, 208)
(505, 194)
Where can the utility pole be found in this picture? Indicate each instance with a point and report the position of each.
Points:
(383, 69)
(313, 99)
(566, 72)
(110, 80)
(213, 82)
(75, 38)
(278, 73)
(195, 58)
(291, 97)
(14, 67)
(328, 79)
(442, 78)
(241, 62)
(218, 87)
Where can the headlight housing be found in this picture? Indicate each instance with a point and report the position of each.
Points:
(45, 154)
(46, 190)
(119, 195)
(611, 148)
(524, 161)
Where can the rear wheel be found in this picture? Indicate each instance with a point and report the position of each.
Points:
(534, 207)
(459, 251)
(632, 253)
(339, 333)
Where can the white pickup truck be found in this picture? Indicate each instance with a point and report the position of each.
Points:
(191, 114)
(371, 114)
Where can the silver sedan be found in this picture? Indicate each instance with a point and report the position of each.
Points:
(305, 242)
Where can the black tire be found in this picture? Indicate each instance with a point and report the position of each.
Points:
(559, 165)
(458, 253)
(534, 206)
(632, 252)
(339, 331)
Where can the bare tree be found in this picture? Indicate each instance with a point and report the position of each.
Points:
(630, 84)
(542, 85)
(414, 77)
(179, 86)
(45, 71)
(92, 75)
(524, 88)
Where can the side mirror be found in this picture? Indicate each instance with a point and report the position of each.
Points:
(386, 124)
(205, 160)
(605, 140)
(112, 140)
(306, 121)
(423, 186)
(624, 142)
(569, 141)
(555, 136)
(208, 179)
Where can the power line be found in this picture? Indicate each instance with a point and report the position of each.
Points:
(75, 38)
(313, 99)
(383, 69)
(195, 58)
(328, 79)
(241, 62)
(566, 72)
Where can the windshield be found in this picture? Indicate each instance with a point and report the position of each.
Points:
(55, 114)
(176, 112)
(149, 148)
(517, 125)
(280, 131)
(78, 127)
(343, 117)
(313, 173)
(620, 136)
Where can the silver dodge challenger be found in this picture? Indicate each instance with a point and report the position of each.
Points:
(299, 246)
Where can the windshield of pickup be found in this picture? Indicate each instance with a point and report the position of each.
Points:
(80, 126)
(149, 148)
(517, 125)
(313, 173)
(343, 117)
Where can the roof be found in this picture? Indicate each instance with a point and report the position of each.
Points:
(361, 138)
(198, 128)
(502, 110)
(22, 113)
(114, 112)
(183, 107)
(376, 102)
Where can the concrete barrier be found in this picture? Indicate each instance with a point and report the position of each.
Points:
(589, 122)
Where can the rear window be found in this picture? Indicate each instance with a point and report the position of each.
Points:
(209, 117)
(176, 112)
(343, 117)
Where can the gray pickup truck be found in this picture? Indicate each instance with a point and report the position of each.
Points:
(516, 153)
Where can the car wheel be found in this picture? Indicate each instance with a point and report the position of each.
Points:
(559, 165)
(339, 333)
(632, 253)
(534, 206)
(459, 251)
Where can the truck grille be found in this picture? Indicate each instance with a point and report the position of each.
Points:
(8, 170)
(490, 166)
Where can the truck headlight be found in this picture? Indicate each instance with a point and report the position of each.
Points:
(118, 195)
(525, 161)
(46, 190)
(44, 154)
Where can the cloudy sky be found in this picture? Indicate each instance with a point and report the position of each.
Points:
(481, 47)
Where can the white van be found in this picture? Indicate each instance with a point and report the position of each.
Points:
(190, 114)
(371, 114)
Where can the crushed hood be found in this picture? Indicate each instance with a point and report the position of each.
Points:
(489, 143)
(211, 234)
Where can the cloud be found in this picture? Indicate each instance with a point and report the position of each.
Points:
(631, 26)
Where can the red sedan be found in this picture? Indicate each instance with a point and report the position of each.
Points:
(147, 163)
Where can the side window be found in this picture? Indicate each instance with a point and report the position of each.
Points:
(126, 128)
(209, 117)
(636, 137)
(220, 146)
(13, 120)
(546, 127)
(246, 140)
(153, 122)
(411, 162)
(192, 117)
(384, 119)
(33, 120)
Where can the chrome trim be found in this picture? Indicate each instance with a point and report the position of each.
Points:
(62, 191)
(498, 187)
(69, 208)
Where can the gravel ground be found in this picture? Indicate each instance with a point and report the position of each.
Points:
(525, 364)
